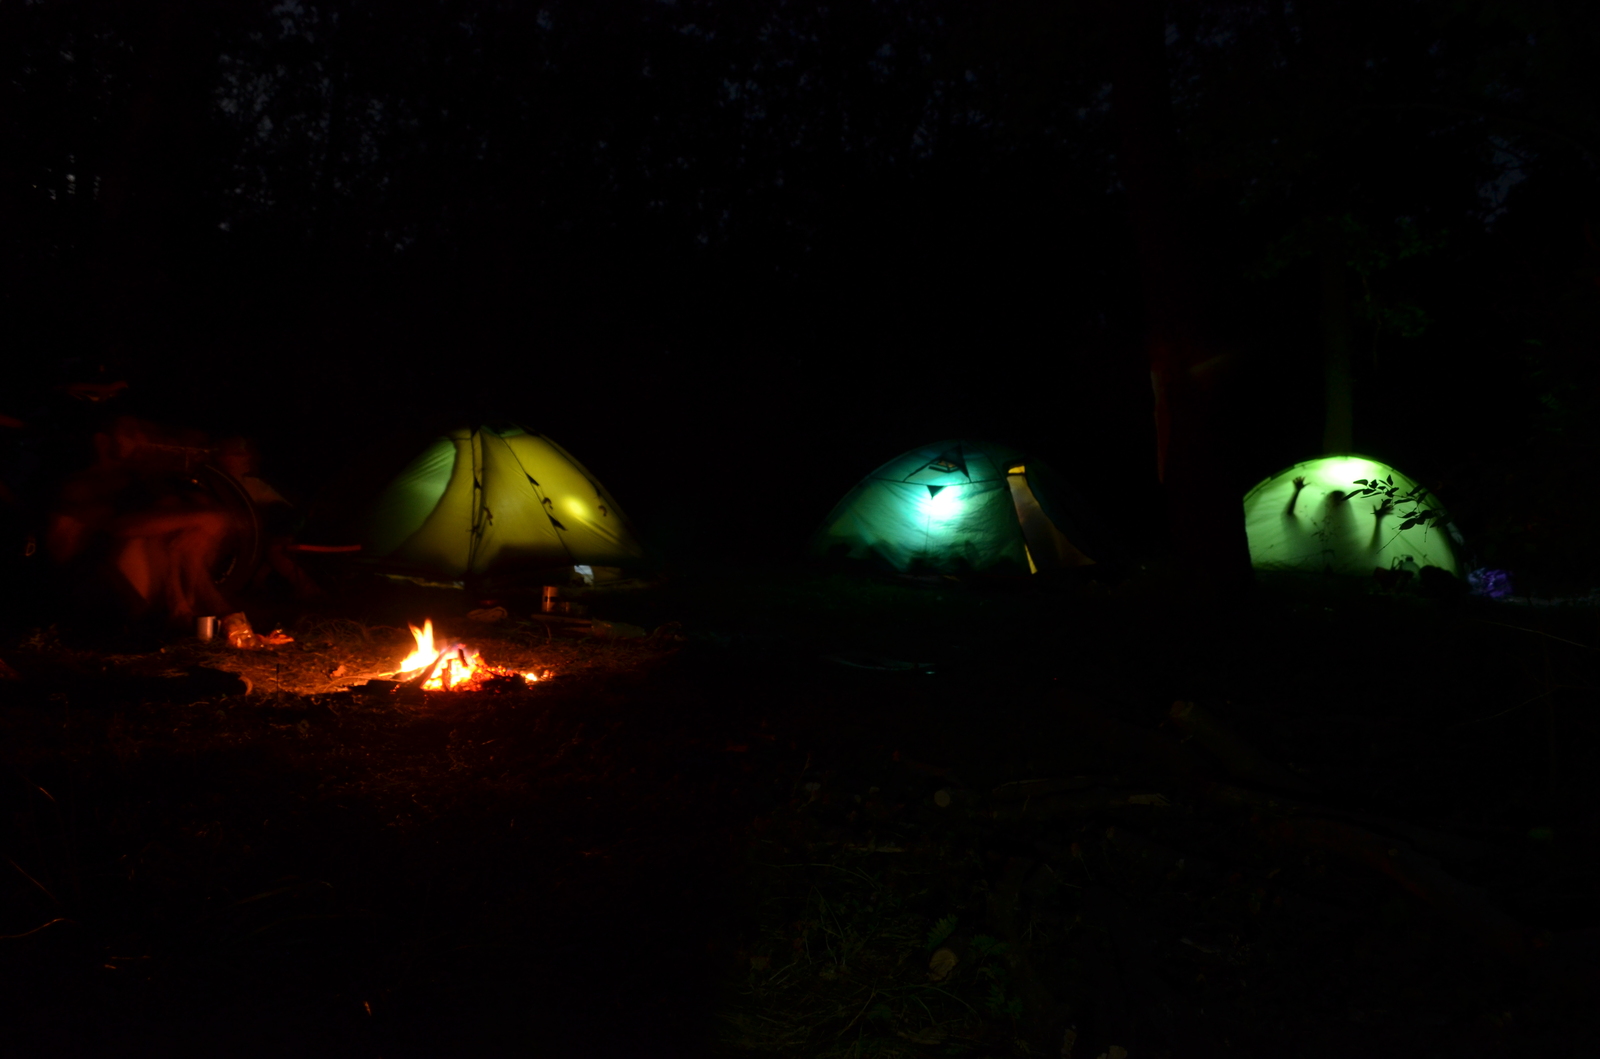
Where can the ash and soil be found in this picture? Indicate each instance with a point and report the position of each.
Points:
(750, 832)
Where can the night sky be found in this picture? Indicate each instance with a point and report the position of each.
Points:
(734, 256)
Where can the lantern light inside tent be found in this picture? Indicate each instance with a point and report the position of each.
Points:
(1345, 514)
(963, 508)
(944, 502)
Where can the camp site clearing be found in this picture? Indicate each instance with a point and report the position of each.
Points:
(817, 814)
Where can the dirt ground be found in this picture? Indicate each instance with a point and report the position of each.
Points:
(813, 815)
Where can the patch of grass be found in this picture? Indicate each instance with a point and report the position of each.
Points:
(837, 962)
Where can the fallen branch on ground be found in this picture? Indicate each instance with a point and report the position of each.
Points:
(1282, 820)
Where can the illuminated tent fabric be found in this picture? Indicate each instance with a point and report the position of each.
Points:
(495, 499)
(1316, 529)
(960, 507)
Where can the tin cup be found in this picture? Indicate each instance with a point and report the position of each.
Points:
(205, 628)
(550, 604)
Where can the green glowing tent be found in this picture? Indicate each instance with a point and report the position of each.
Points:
(961, 507)
(496, 500)
(1312, 518)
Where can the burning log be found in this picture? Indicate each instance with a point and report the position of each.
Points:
(452, 667)
(421, 679)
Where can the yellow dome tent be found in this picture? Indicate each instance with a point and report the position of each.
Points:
(494, 500)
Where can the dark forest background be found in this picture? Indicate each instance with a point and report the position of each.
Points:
(734, 255)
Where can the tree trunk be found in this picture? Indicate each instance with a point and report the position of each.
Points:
(1327, 29)
(151, 171)
(1338, 405)
(1193, 461)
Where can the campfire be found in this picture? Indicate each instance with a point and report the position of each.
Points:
(452, 666)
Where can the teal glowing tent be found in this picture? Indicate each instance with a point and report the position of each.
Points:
(497, 500)
(1314, 518)
(960, 507)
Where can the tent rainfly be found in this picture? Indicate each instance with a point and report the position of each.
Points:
(1310, 518)
(960, 507)
(494, 500)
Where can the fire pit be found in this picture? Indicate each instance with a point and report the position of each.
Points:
(452, 666)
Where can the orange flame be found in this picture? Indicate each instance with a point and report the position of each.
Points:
(459, 666)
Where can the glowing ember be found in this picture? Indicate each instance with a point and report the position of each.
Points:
(458, 666)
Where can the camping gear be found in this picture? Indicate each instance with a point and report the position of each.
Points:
(1313, 518)
(960, 507)
(551, 603)
(205, 628)
(237, 628)
(497, 500)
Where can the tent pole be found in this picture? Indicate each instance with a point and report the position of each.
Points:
(475, 446)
